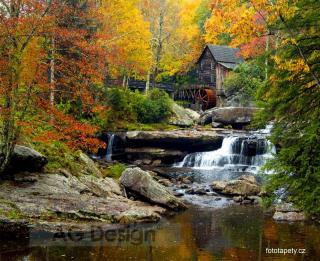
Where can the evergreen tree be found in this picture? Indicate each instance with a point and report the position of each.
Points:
(292, 100)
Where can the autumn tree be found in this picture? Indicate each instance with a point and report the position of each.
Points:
(241, 24)
(202, 13)
(21, 72)
(77, 68)
(49, 55)
(175, 35)
(125, 36)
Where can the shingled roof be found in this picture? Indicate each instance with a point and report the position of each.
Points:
(224, 54)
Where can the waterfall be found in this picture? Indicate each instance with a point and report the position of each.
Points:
(110, 146)
(247, 153)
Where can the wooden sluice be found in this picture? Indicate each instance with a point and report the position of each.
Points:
(197, 94)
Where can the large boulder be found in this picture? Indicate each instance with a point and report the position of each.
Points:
(183, 117)
(26, 159)
(195, 116)
(243, 186)
(141, 183)
(237, 117)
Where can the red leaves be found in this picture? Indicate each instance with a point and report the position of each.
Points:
(65, 128)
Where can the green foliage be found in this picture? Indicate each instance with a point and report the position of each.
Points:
(134, 108)
(224, 39)
(153, 107)
(292, 101)
(147, 127)
(202, 14)
(297, 166)
(13, 214)
(59, 157)
(115, 170)
(243, 82)
(180, 79)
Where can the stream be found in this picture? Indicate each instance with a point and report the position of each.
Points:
(239, 155)
(231, 233)
(208, 230)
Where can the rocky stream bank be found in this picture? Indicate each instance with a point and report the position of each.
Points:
(150, 188)
(58, 201)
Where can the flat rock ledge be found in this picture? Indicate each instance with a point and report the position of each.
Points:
(51, 201)
(182, 140)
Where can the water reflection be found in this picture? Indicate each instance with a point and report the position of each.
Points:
(232, 233)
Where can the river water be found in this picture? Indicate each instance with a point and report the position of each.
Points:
(230, 233)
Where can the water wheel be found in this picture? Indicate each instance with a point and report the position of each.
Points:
(206, 97)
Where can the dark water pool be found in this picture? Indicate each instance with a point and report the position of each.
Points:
(230, 233)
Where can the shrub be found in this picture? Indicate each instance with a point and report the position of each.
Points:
(242, 83)
(116, 170)
(128, 106)
(152, 108)
(59, 156)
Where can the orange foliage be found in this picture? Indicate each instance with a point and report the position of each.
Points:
(25, 55)
(66, 128)
(244, 22)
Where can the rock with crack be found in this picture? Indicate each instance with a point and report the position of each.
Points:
(141, 183)
(206, 117)
(165, 182)
(102, 187)
(154, 156)
(289, 216)
(90, 167)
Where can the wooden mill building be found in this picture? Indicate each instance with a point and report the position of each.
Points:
(213, 66)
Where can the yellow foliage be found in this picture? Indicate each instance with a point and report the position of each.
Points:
(185, 43)
(237, 18)
(296, 66)
(126, 37)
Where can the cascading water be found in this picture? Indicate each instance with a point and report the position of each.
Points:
(110, 146)
(241, 154)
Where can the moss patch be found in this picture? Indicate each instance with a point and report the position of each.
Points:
(114, 171)
(9, 210)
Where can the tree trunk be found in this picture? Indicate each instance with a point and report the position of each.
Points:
(159, 45)
(147, 83)
(8, 132)
(7, 135)
(51, 74)
(124, 81)
(267, 52)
